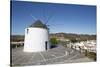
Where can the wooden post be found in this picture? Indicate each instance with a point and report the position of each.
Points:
(16, 46)
(66, 45)
(71, 46)
(85, 52)
(75, 47)
(79, 48)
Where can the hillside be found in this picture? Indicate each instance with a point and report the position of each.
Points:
(59, 35)
(74, 36)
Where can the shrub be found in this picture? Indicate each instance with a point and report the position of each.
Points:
(53, 41)
(91, 55)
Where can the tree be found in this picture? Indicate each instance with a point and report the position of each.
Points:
(53, 41)
(73, 40)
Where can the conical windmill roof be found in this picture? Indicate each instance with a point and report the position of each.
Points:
(39, 24)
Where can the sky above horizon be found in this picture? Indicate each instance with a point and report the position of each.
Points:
(68, 18)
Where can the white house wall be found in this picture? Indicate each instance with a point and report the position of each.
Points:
(35, 39)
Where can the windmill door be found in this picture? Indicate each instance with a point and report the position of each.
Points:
(46, 45)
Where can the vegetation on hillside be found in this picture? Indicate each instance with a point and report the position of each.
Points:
(70, 36)
(91, 55)
(16, 38)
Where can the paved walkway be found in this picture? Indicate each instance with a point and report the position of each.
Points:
(52, 56)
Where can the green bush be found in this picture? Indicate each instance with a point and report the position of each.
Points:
(53, 41)
(73, 40)
(91, 55)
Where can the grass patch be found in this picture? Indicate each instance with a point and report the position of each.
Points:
(91, 55)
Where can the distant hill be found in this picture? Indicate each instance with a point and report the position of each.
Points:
(73, 36)
(59, 35)
(17, 38)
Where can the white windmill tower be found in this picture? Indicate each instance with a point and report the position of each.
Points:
(36, 37)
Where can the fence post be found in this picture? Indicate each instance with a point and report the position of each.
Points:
(16, 46)
(71, 46)
(85, 52)
(80, 49)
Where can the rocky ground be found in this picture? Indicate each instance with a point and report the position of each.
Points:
(57, 55)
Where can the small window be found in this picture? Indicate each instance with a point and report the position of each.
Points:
(27, 31)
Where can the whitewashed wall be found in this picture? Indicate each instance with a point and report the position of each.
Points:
(35, 39)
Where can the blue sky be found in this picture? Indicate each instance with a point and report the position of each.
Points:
(68, 18)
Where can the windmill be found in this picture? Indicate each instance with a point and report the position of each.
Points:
(37, 36)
